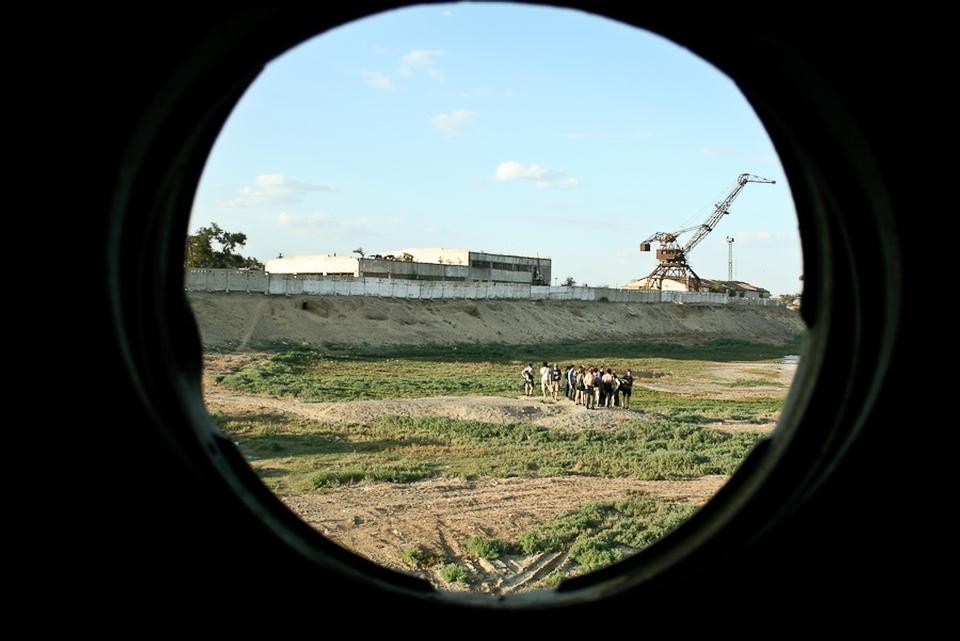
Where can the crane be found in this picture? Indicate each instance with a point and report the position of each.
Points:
(673, 257)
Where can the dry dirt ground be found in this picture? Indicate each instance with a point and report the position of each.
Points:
(380, 520)
(242, 321)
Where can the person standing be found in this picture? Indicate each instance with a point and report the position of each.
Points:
(626, 389)
(588, 389)
(527, 374)
(555, 375)
(578, 398)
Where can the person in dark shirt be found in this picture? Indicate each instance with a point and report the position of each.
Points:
(626, 388)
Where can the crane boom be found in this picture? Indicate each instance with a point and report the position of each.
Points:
(673, 258)
(722, 208)
(669, 237)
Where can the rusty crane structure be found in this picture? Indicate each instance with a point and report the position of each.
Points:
(673, 258)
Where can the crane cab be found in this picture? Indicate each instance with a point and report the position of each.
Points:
(669, 254)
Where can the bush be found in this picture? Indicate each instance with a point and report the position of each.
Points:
(453, 573)
(486, 548)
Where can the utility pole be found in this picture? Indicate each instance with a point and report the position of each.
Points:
(729, 258)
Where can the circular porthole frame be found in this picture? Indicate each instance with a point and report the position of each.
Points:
(852, 297)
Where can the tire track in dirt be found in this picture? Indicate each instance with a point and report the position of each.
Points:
(254, 323)
(380, 520)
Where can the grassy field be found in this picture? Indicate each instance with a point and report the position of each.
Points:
(296, 455)
(668, 435)
(719, 350)
(313, 375)
(595, 535)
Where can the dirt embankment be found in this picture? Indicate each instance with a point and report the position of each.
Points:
(250, 320)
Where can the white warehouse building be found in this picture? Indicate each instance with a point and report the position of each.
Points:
(428, 263)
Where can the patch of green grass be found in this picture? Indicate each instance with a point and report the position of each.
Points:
(298, 455)
(414, 556)
(598, 534)
(552, 581)
(453, 573)
(312, 375)
(752, 382)
(718, 350)
(693, 409)
(486, 548)
(759, 372)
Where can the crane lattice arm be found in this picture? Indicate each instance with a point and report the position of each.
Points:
(722, 208)
(669, 237)
(673, 258)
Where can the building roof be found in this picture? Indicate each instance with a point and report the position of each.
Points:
(735, 285)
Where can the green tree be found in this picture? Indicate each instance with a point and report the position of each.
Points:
(201, 252)
(569, 282)
(719, 287)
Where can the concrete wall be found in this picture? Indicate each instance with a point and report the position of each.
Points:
(377, 268)
(228, 280)
(318, 264)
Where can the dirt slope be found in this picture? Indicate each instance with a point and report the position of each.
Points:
(250, 320)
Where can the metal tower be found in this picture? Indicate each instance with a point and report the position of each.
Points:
(729, 258)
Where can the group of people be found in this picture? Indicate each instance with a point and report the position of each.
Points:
(591, 387)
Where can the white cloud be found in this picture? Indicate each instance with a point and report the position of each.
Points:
(451, 123)
(446, 13)
(540, 176)
(512, 170)
(377, 80)
(424, 59)
(270, 189)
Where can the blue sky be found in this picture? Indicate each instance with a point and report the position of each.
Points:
(501, 128)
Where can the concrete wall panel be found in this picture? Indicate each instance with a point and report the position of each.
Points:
(225, 280)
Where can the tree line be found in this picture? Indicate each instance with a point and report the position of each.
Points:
(200, 250)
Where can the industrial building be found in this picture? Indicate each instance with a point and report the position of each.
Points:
(430, 263)
(733, 288)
